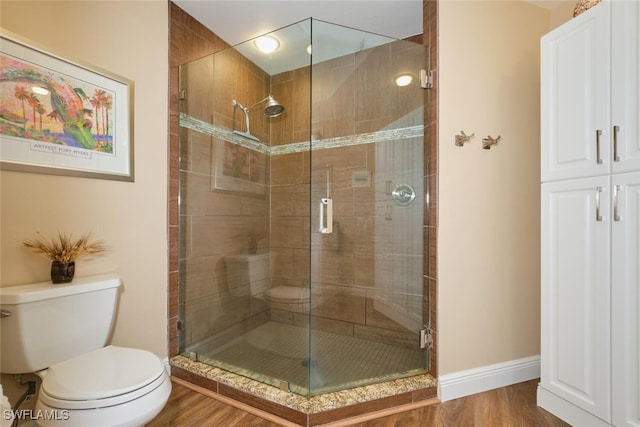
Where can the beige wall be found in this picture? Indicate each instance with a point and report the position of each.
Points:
(129, 39)
(489, 261)
(562, 12)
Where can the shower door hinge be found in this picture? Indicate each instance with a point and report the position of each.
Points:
(426, 79)
(183, 95)
(179, 325)
(426, 338)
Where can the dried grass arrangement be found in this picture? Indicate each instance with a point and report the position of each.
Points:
(583, 6)
(66, 248)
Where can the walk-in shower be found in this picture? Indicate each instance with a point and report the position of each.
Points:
(301, 222)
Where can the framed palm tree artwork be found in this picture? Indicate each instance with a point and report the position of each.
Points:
(62, 117)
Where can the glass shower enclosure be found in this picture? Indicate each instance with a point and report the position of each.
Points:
(301, 209)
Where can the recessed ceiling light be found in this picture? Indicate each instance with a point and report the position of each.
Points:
(267, 44)
(404, 79)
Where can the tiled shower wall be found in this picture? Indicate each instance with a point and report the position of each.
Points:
(219, 217)
(343, 264)
(189, 41)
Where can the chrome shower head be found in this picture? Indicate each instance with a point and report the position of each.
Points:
(273, 107)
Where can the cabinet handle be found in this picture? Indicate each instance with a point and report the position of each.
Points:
(598, 191)
(616, 215)
(616, 129)
(598, 135)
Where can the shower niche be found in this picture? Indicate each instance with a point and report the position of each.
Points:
(301, 209)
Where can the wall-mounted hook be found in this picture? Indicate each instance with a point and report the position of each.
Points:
(489, 141)
(461, 139)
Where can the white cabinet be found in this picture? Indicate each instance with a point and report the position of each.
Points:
(625, 261)
(590, 169)
(625, 86)
(590, 349)
(575, 290)
(575, 97)
(590, 87)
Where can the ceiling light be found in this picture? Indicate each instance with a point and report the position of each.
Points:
(267, 44)
(404, 79)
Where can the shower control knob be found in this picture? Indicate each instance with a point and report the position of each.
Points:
(403, 194)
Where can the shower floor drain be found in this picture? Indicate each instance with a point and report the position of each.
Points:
(309, 363)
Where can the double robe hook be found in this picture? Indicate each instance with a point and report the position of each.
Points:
(486, 142)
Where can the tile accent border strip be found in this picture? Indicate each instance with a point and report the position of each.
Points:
(201, 126)
(198, 125)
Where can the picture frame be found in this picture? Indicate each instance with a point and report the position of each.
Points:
(63, 117)
(237, 168)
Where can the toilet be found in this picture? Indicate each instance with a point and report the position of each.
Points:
(289, 298)
(249, 274)
(59, 332)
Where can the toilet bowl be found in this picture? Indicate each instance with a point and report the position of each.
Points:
(249, 275)
(289, 298)
(111, 386)
(59, 333)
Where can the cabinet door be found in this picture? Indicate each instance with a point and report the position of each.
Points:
(575, 349)
(575, 97)
(626, 299)
(625, 86)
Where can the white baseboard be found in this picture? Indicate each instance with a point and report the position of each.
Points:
(472, 381)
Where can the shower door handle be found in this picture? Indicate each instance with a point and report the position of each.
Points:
(328, 203)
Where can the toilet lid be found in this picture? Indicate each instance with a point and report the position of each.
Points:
(102, 374)
(289, 294)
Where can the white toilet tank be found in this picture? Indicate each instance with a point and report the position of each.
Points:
(43, 324)
(248, 274)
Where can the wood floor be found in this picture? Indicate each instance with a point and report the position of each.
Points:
(513, 406)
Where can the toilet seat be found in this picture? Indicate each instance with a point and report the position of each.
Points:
(289, 294)
(105, 377)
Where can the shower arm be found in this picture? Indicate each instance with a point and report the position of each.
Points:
(246, 110)
(246, 118)
(256, 104)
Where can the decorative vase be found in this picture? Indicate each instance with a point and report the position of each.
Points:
(584, 5)
(62, 272)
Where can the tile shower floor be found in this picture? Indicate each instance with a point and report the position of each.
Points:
(280, 352)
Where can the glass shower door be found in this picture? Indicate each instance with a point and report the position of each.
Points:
(367, 306)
